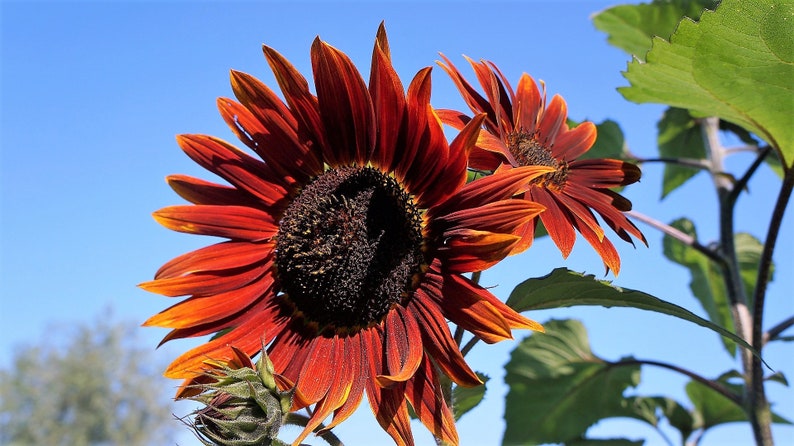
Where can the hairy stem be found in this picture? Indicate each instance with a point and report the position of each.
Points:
(758, 403)
(678, 235)
(775, 331)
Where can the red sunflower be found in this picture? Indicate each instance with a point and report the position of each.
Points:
(346, 243)
(521, 130)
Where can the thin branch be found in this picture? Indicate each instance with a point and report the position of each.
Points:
(469, 345)
(678, 235)
(711, 384)
(747, 148)
(685, 162)
(776, 331)
(741, 184)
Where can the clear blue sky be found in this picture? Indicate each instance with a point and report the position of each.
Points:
(93, 94)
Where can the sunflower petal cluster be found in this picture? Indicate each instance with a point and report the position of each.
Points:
(347, 230)
(522, 129)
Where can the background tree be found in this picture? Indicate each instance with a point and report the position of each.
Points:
(85, 385)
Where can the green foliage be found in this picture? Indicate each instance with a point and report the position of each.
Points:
(93, 388)
(707, 283)
(736, 63)
(465, 399)
(565, 288)
(679, 137)
(631, 27)
(559, 388)
(609, 143)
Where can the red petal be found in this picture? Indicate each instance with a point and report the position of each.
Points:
(437, 339)
(575, 142)
(465, 290)
(467, 250)
(234, 166)
(557, 221)
(234, 222)
(388, 404)
(318, 372)
(254, 330)
(528, 105)
(296, 92)
(388, 99)
(198, 191)
(603, 173)
(356, 356)
(427, 400)
(199, 310)
(206, 283)
(403, 347)
(474, 100)
(345, 106)
(552, 121)
(217, 257)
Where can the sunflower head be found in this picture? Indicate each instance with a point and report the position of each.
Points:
(347, 232)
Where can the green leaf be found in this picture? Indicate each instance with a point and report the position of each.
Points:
(631, 27)
(736, 63)
(707, 282)
(565, 288)
(465, 399)
(559, 388)
(712, 408)
(679, 137)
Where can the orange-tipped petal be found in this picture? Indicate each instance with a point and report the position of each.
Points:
(405, 353)
(427, 400)
(234, 222)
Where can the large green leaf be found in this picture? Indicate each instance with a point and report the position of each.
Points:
(609, 142)
(679, 137)
(559, 388)
(736, 63)
(565, 288)
(707, 282)
(631, 27)
(465, 399)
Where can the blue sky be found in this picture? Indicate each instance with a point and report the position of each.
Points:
(93, 94)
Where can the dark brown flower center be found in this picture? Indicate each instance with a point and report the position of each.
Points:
(529, 151)
(349, 247)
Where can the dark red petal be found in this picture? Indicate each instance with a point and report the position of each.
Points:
(356, 357)
(552, 121)
(234, 222)
(273, 140)
(234, 166)
(403, 347)
(318, 373)
(451, 175)
(604, 248)
(437, 339)
(575, 142)
(495, 187)
(253, 330)
(302, 103)
(427, 400)
(500, 216)
(497, 95)
(345, 106)
(388, 404)
(200, 310)
(417, 104)
(217, 257)
(339, 389)
(528, 106)
(467, 250)
(207, 283)
(603, 173)
(199, 191)
(388, 100)
(474, 100)
(557, 221)
(464, 290)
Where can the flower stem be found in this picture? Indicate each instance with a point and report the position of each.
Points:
(758, 403)
(302, 420)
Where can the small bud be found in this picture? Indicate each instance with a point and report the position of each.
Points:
(243, 406)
